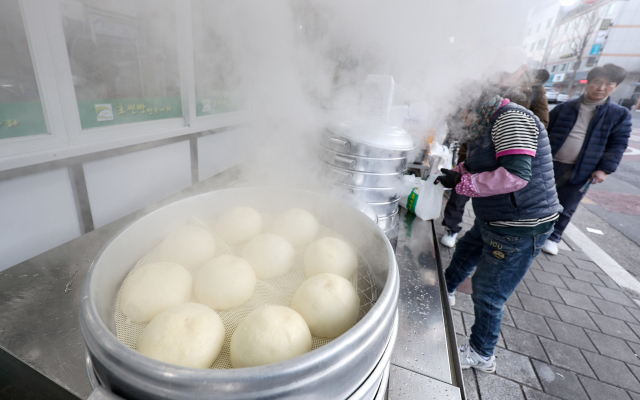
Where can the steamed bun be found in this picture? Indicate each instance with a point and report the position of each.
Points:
(270, 255)
(225, 282)
(330, 255)
(189, 246)
(239, 224)
(189, 335)
(298, 226)
(328, 303)
(153, 288)
(268, 335)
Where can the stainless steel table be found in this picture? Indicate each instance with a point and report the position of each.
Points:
(423, 362)
(42, 349)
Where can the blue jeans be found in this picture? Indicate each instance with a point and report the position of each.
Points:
(500, 263)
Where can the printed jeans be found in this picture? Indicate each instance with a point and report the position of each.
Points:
(500, 263)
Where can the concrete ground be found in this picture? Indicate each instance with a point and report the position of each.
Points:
(569, 332)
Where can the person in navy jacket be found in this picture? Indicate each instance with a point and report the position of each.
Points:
(588, 137)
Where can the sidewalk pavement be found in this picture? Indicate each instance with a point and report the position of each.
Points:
(568, 332)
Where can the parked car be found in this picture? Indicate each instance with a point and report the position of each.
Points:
(552, 95)
(562, 97)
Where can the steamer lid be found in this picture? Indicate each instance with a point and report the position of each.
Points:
(373, 132)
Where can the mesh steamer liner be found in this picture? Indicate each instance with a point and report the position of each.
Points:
(278, 291)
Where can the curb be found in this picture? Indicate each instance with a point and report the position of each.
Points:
(603, 260)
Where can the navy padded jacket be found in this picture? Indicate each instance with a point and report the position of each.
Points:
(605, 141)
(536, 200)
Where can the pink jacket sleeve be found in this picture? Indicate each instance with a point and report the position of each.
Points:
(488, 183)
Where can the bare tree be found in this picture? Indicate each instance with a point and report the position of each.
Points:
(576, 27)
(579, 36)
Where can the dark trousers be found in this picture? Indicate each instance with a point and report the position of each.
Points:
(453, 211)
(569, 196)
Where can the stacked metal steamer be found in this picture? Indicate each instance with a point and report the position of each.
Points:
(367, 159)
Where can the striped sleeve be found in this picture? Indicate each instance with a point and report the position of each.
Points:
(515, 132)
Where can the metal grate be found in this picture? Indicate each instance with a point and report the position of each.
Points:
(278, 291)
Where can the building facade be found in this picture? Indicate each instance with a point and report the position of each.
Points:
(583, 36)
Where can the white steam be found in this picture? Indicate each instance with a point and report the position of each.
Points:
(296, 61)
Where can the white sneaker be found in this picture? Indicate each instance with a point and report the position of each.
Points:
(470, 359)
(449, 239)
(550, 247)
(452, 299)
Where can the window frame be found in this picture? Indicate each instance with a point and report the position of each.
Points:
(66, 138)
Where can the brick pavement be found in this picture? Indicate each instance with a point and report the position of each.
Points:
(569, 332)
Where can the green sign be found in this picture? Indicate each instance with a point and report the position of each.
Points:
(21, 119)
(217, 104)
(98, 113)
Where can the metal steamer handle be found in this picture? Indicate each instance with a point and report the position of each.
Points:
(343, 144)
(351, 162)
(348, 175)
(99, 393)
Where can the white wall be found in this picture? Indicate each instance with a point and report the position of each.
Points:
(37, 213)
(120, 185)
(219, 152)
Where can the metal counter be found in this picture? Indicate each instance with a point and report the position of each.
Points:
(422, 362)
(42, 349)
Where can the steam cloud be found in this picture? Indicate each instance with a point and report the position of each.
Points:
(297, 61)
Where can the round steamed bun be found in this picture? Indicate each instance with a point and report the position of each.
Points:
(154, 288)
(330, 255)
(225, 282)
(328, 303)
(268, 335)
(189, 335)
(238, 225)
(270, 255)
(298, 226)
(189, 246)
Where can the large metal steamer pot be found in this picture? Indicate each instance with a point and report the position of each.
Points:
(367, 138)
(341, 144)
(385, 209)
(338, 370)
(370, 195)
(387, 223)
(363, 164)
(363, 179)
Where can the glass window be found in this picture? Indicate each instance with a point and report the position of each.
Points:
(533, 46)
(561, 48)
(124, 60)
(216, 71)
(538, 27)
(611, 9)
(21, 111)
(541, 44)
(549, 21)
(529, 31)
(553, 68)
(563, 67)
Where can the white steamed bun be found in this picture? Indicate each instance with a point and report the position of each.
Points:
(298, 226)
(270, 255)
(330, 255)
(153, 288)
(239, 224)
(189, 246)
(225, 282)
(189, 335)
(268, 335)
(328, 303)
